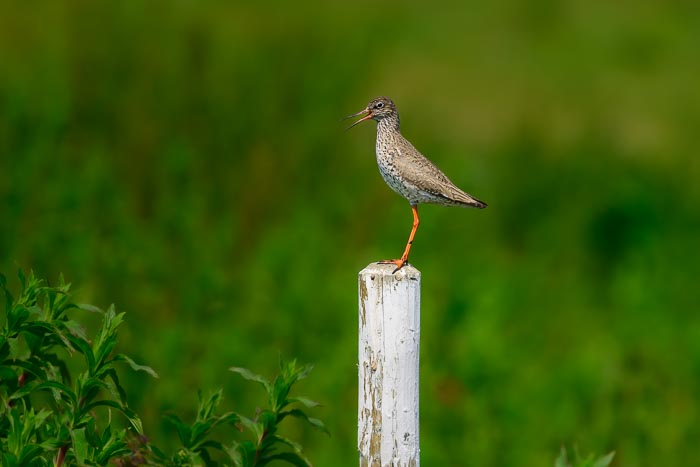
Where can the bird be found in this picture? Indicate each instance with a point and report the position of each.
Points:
(407, 171)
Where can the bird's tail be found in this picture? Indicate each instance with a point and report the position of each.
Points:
(465, 199)
(477, 203)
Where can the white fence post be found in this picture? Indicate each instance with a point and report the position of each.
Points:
(389, 338)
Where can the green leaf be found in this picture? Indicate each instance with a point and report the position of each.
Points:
(250, 376)
(90, 388)
(38, 328)
(243, 454)
(562, 460)
(115, 388)
(92, 434)
(8, 296)
(80, 445)
(605, 460)
(4, 348)
(23, 392)
(276, 439)
(55, 363)
(314, 422)
(235, 455)
(65, 391)
(291, 373)
(8, 374)
(206, 458)
(22, 279)
(211, 444)
(90, 308)
(83, 346)
(29, 453)
(208, 405)
(113, 445)
(183, 431)
(59, 336)
(304, 401)
(102, 351)
(30, 367)
(133, 418)
(105, 340)
(75, 328)
(268, 420)
(229, 417)
(254, 427)
(16, 317)
(199, 431)
(319, 425)
(9, 460)
(134, 366)
(280, 391)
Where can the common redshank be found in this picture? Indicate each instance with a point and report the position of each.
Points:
(407, 171)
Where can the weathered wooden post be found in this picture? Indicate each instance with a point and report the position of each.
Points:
(389, 325)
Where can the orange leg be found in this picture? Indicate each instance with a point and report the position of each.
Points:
(404, 258)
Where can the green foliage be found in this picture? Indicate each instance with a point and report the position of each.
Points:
(578, 461)
(268, 445)
(70, 425)
(195, 438)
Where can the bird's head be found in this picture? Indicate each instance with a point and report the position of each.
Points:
(378, 109)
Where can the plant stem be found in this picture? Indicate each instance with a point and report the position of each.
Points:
(61, 455)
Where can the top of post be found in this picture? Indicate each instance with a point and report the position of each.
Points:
(386, 270)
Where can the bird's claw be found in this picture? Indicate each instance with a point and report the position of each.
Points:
(398, 262)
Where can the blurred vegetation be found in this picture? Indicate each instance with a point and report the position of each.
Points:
(185, 161)
(578, 461)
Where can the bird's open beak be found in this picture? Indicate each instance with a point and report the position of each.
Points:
(366, 117)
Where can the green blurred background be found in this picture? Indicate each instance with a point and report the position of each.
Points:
(184, 160)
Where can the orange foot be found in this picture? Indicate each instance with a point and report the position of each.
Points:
(398, 262)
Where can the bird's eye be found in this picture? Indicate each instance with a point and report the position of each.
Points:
(379, 105)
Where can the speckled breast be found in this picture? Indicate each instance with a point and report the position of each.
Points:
(393, 178)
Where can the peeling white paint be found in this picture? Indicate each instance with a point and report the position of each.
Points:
(389, 344)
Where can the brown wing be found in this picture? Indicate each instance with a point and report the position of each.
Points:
(425, 175)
